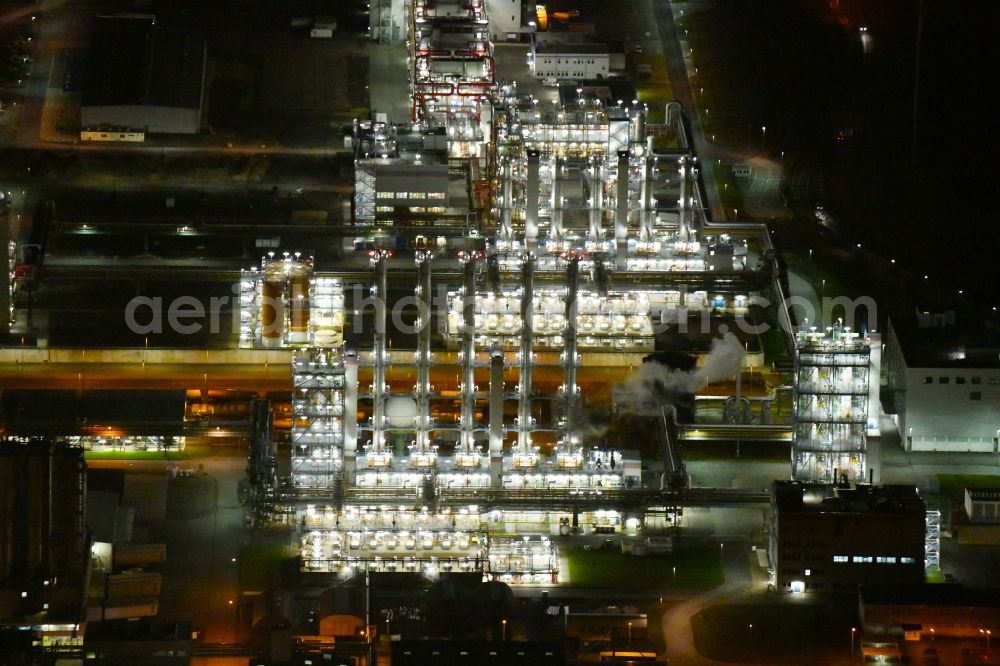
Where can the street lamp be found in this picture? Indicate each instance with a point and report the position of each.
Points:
(751, 633)
(853, 631)
(630, 633)
(503, 624)
(763, 137)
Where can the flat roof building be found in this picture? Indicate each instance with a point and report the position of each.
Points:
(943, 378)
(141, 641)
(827, 538)
(43, 548)
(570, 61)
(982, 505)
(144, 76)
(931, 609)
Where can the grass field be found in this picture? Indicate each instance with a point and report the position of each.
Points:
(137, 455)
(655, 89)
(188, 453)
(952, 486)
(697, 568)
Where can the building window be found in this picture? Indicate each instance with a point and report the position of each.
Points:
(840, 558)
(992, 381)
(885, 560)
(977, 380)
(906, 560)
(976, 395)
(959, 380)
(943, 380)
(928, 380)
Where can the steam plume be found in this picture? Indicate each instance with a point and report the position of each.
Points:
(653, 385)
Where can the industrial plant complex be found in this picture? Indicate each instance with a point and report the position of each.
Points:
(490, 355)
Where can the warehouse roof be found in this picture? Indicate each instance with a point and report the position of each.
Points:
(931, 595)
(133, 61)
(796, 497)
(938, 340)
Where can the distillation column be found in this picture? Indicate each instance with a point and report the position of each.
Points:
(496, 414)
(646, 212)
(555, 205)
(621, 211)
(531, 202)
(423, 289)
(379, 259)
(527, 342)
(571, 395)
(596, 201)
(468, 386)
(272, 310)
(299, 302)
(350, 415)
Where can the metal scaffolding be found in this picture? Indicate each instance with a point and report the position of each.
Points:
(318, 406)
(932, 540)
(831, 406)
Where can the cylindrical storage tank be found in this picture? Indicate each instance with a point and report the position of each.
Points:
(299, 295)
(640, 126)
(272, 312)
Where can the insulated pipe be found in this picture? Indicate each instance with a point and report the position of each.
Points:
(350, 414)
(379, 259)
(682, 204)
(531, 202)
(675, 120)
(621, 210)
(646, 201)
(468, 353)
(527, 342)
(496, 405)
(423, 293)
(596, 202)
(555, 203)
(571, 395)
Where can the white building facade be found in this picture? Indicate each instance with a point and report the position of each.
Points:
(574, 62)
(945, 401)
(506, 23)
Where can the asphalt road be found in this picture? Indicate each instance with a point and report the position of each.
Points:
(677, 631)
